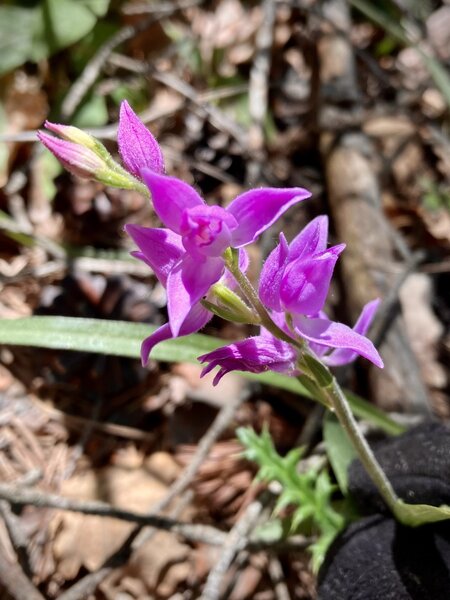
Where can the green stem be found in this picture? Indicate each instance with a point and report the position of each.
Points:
(253, 298)
(335, 396)
(330, 392)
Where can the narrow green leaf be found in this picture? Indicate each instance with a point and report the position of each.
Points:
(437, 71)
(122, 338)
(340, 450)
(415, 515)
(96, 335)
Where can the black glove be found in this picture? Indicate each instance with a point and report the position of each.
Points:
(378, 559)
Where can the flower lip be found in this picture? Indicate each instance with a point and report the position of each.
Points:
(207, 230)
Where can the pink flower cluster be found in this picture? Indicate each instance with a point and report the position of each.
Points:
(187, 255)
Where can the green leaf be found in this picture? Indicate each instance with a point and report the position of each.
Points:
(340, 450)
(121, 338)
(93, 112)
(320, 373)
(17, 25)
(65, 21)
(37, 31)
(105, 337)
(415, 515)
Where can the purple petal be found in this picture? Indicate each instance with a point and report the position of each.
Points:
(271, 275)
(336, 335)
(170, 197)
(195, 320)
(311, 240)
(305, 282)
(187, 283)
(255, 354)
(137, 146)
(256, 210)
(161, 248)
(345, 356)
(161, 334)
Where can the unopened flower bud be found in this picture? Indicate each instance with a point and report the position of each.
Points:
(75, 135)
(319, 372)
(232, 306)
(77, 159)
(84, 156)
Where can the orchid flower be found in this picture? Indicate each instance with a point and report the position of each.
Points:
(203, 233)
(187, 256)
(294, 281)
(196, 238)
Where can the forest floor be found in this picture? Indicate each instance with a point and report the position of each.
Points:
(332, 96)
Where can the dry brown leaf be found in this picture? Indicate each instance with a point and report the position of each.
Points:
(438, 224)
(228, 27)
(83, 540)
(203, 390)
(162, 564)
(438, 30)
(389, 126)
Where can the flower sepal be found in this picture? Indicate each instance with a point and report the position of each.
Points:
(317, 371)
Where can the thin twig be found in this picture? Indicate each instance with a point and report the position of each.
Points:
(389, 307)
(90, 73)
(109, 132)
(88, 584)
(25, 496)
(16, 582)
(218, 426)
(235, 541)
(17, 536)
(215, 115)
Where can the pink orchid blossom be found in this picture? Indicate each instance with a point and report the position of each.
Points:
(295, 280)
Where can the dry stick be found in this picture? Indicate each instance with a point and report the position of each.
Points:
(16, 582)
(94, 66)
(355, 204)
(193, 533)
(235, 541)
(109, 132)
(388, 308)
(216, 116)
(241, 562)
(17, 536)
